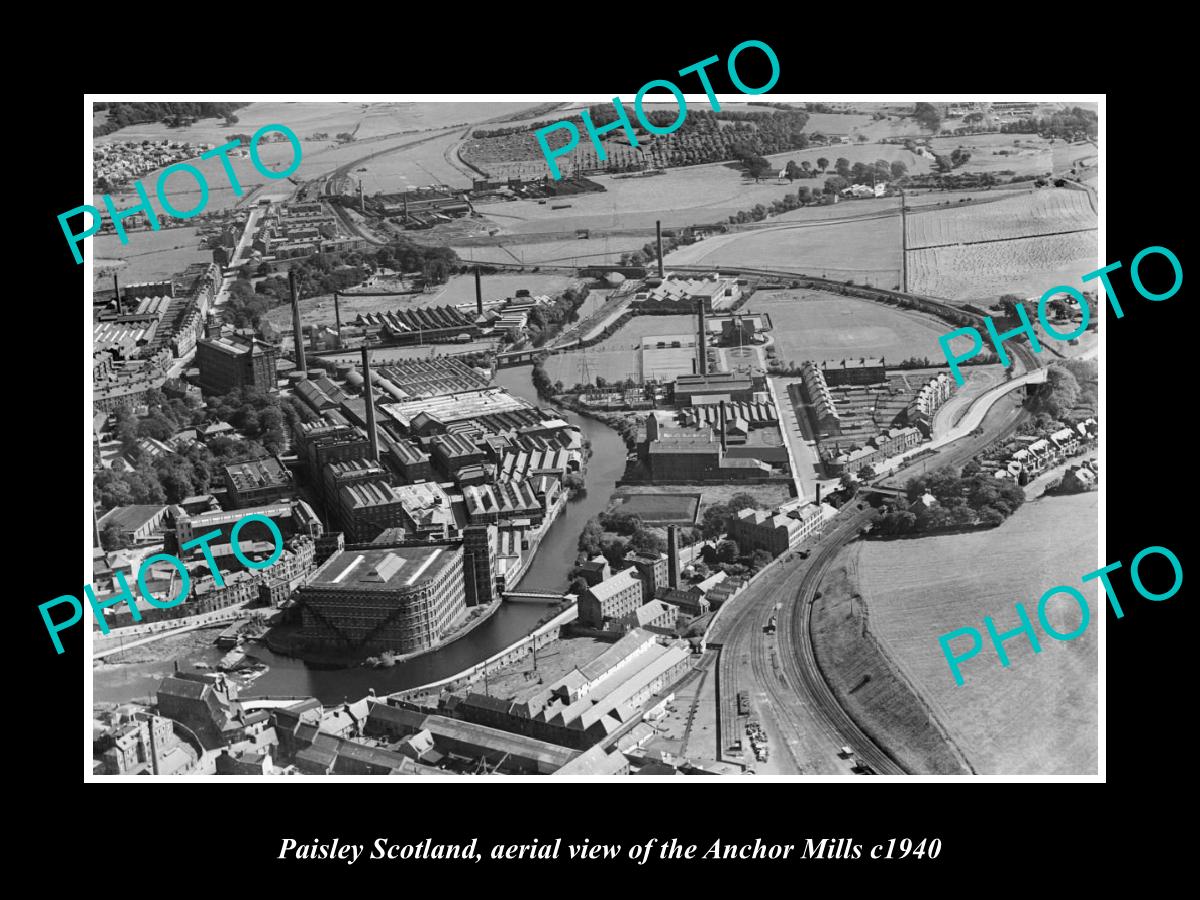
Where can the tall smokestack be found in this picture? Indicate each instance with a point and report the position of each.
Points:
(658, 231)
(337, 315)
(703, 347)
(478, 293)
(818, 493)
(362, 204)
(724, 445)
(673, 556)
(368, 396)
(117, 291)
(300, 364)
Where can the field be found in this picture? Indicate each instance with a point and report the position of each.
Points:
(1025, 154)
(864, 680)
(1039, 715)
(661, 509)
(365, 120)
(1026, 267)
(1037, 212)
(816, 325)
(619, 357)
(149, 255)
(866, 249)
(668, 364)
(424, 164)
(532, 252)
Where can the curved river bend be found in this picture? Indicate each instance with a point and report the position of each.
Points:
(554, 560)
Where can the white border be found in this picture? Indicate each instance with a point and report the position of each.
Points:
(1098, 610)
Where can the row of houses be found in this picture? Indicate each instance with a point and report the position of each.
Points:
(1044, 453)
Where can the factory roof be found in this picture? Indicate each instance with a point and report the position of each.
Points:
(612, 586)
(384, 568)
(130, 518)
(257, 473)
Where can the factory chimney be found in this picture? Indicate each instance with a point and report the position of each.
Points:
(702, 347)
(478, 294)
(337, 315)
(117, 291)
(818, 493)
(300, 364)
(369, 398)
(658, 231)
(362, 204)
(724, 445)
(673, 556)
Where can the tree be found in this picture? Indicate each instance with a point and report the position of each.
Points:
(804, 194)
(111, 537)
(793, 171)
(741, 501)
(867, 472)
(728, 551)
(899, 170)
(849, 483)
(822, 163)
(927, 116)
(761, 559)
(578, 586)
(647, 541)
(806, 166)
(836, 184)
(842, 167)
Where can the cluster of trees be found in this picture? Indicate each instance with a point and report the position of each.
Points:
(168, 478)
(547, 321)
(631, 534)
(726, 556)
(927, 116)
(1068, 386)
(122, 114)
(1070, 124)
(716, 518)
(324, 273)
(966, 499)
(958, 157)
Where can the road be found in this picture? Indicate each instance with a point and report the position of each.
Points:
(791, 697)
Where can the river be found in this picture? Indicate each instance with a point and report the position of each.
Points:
(548, 572)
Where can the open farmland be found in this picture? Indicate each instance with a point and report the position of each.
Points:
(1039, 715)
(418, 166)
(619, 357)
(817, 325)
(864, 249)
(1024, 154)
(149, 255)
(1026, 266)
(1045, 211)
(535, 251)
(866, 682)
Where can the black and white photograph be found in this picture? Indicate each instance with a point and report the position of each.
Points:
(732, 434)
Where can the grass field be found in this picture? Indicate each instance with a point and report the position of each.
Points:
(816, 325)
(866, 249)
(149, 255)
(662, 509)
(864, 681)
(1039, 715)
(1037, 212)
(1025, 267)
(1027, 154)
